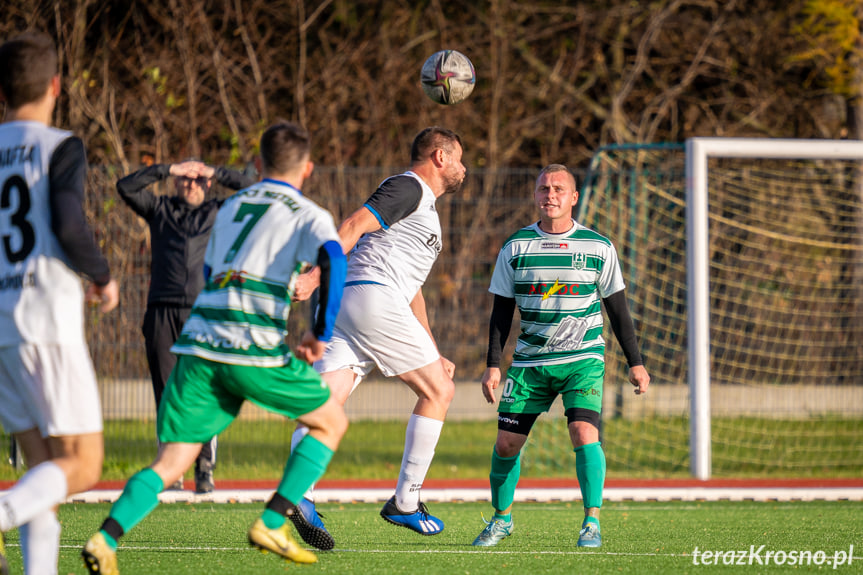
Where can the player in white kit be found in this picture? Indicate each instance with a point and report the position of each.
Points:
(49, 400)
(393, 241)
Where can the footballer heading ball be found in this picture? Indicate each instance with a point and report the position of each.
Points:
(448, 77)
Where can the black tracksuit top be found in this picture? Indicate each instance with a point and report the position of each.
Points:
(178, 232)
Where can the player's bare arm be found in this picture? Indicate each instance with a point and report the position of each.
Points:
(352, 229)
(617, 310)
(106, 297)
(490, 381)
(639, 378)
(310, 348)
(499, 325)
(418, 306)
(362, 221)
(191, 169)
(306, 284)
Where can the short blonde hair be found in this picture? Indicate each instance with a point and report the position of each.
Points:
(552, 168)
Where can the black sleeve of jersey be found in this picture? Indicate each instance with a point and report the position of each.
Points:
(498, 328)
(396, 198)
(67, 173)
(322, 294)
(232, 179)
(133, 189)
(621, 324)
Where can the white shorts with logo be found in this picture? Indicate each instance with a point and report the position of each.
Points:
(376, 327)
(52, 387)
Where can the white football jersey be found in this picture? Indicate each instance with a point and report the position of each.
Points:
(41, 298)
(401, 253)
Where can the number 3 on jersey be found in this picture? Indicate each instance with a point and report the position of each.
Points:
(256, 211)
(18, 219)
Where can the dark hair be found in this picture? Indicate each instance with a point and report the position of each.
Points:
(27, 64)
(284, 146)
(551, 168)
(431, 139)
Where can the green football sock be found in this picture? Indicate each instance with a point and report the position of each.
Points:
(139, 498)
(504, 475)
(305, 466)
(112, 543)
(590, 470)
(272, 519)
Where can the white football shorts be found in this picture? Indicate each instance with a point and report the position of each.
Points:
(52, 387)
(376, 327)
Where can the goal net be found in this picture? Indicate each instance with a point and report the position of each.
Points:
(751, 326)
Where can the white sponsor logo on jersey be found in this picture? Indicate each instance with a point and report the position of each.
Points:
(215, 341)
(554, 245)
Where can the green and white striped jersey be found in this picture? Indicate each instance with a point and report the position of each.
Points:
(557, 281)
(262, 236)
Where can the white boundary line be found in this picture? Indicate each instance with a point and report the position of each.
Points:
(132, 547)
(521, 495)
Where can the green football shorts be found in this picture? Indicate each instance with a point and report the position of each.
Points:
(533, 389)
(203, 397)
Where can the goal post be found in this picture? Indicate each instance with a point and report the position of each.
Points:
(698, 152)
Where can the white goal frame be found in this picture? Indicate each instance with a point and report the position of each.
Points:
(698, 150)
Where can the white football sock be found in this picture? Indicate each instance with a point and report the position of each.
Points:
(40, 544)
(421, 439)
(299, 433)
(37, 491)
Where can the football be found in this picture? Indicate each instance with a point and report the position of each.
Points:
(448, 77)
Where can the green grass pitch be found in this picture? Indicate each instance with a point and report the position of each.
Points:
(639, 537)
